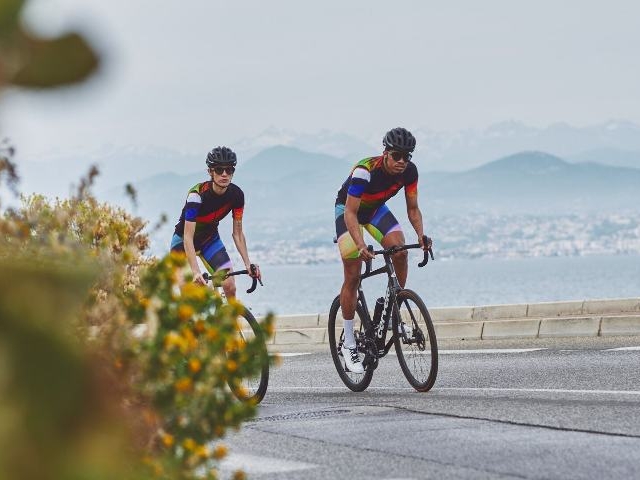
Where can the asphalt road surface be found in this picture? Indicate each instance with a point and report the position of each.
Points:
(538, 409)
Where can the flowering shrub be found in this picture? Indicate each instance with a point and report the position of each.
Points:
(168, 388)
(189, 353)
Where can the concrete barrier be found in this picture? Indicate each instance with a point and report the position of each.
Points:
(620, 325)
(535, 320)
(569, 327)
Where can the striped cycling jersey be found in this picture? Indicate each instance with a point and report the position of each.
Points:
(207, 208)
(369, 182)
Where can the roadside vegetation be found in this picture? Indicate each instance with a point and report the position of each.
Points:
(113, 364)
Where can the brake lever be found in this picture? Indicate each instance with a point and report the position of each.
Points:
(427, 253)
(255, 279)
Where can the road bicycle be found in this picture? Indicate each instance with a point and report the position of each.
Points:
(251, 389)
(412, 331)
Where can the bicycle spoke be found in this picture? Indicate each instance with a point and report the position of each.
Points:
(354, 381)
(416, 348)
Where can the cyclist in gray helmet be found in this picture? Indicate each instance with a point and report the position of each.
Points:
(207, 203)
(360, 204)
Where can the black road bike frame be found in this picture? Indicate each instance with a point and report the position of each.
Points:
(374, 345)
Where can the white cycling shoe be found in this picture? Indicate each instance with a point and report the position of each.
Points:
(352, 361)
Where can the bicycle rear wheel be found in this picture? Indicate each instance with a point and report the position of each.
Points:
(252, 389)
(415, 341)
(356, 382)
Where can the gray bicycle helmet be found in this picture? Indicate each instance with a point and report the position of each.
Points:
(221, 156)
(399, 139)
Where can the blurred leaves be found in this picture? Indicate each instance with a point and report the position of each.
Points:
(33, 62)
(8, 169)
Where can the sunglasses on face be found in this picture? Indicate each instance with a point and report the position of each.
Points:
(221, 170)
(397, 156)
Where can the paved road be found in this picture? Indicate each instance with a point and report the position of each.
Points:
(535, 409)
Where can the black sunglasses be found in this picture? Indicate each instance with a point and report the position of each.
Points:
(397, 156)
(221, 170)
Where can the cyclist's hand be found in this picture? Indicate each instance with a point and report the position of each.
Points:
(425, 242)
(199, 279)
(365, 254)
(255, 271)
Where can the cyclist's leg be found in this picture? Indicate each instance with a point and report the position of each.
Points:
(349, 291)
(214, 256)
(385, 228)
(351, 266)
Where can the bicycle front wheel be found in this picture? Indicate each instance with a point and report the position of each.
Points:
(415, 341)
(252, 389)
(356, 382)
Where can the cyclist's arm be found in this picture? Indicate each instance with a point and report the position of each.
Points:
(241, 244)
(190, 250)
(414, 214)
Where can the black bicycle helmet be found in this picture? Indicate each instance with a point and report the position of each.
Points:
(399, 139)
(221, 156)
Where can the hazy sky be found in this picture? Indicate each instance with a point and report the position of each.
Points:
(190, 74)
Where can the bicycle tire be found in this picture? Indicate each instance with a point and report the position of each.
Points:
(418, 358)
(253, 389)
(356, 382)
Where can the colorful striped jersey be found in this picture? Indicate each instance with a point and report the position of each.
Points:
(369, 182)
(205, 207)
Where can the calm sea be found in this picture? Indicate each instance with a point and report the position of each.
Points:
(290, 289)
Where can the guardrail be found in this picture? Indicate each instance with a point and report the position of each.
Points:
(586, 318)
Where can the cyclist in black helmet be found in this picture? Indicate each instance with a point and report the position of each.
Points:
(207, 203)
(360, 204)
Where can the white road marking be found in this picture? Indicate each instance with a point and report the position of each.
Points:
(622, 349)
(490, 350)
(255, 465)
(543, 390)
(465, 389)
(293, 354)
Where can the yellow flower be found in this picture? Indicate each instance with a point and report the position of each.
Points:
(190, 338)
(174, 339)
(195, 365)
(220, 452)
(231, 344)
(185, 312)
(189, 444)
(242, 391)
(192, 291)
(202, 451)
(184, 385)
(199, 327)
(232, 365)
(167, 440)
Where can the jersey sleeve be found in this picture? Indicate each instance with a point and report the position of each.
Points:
(238, 206)
(411, 181)
(194, 201)
(359, 180)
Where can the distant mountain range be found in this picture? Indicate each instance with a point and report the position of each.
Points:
(614, 143)
(535, 182)
(284, 183)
